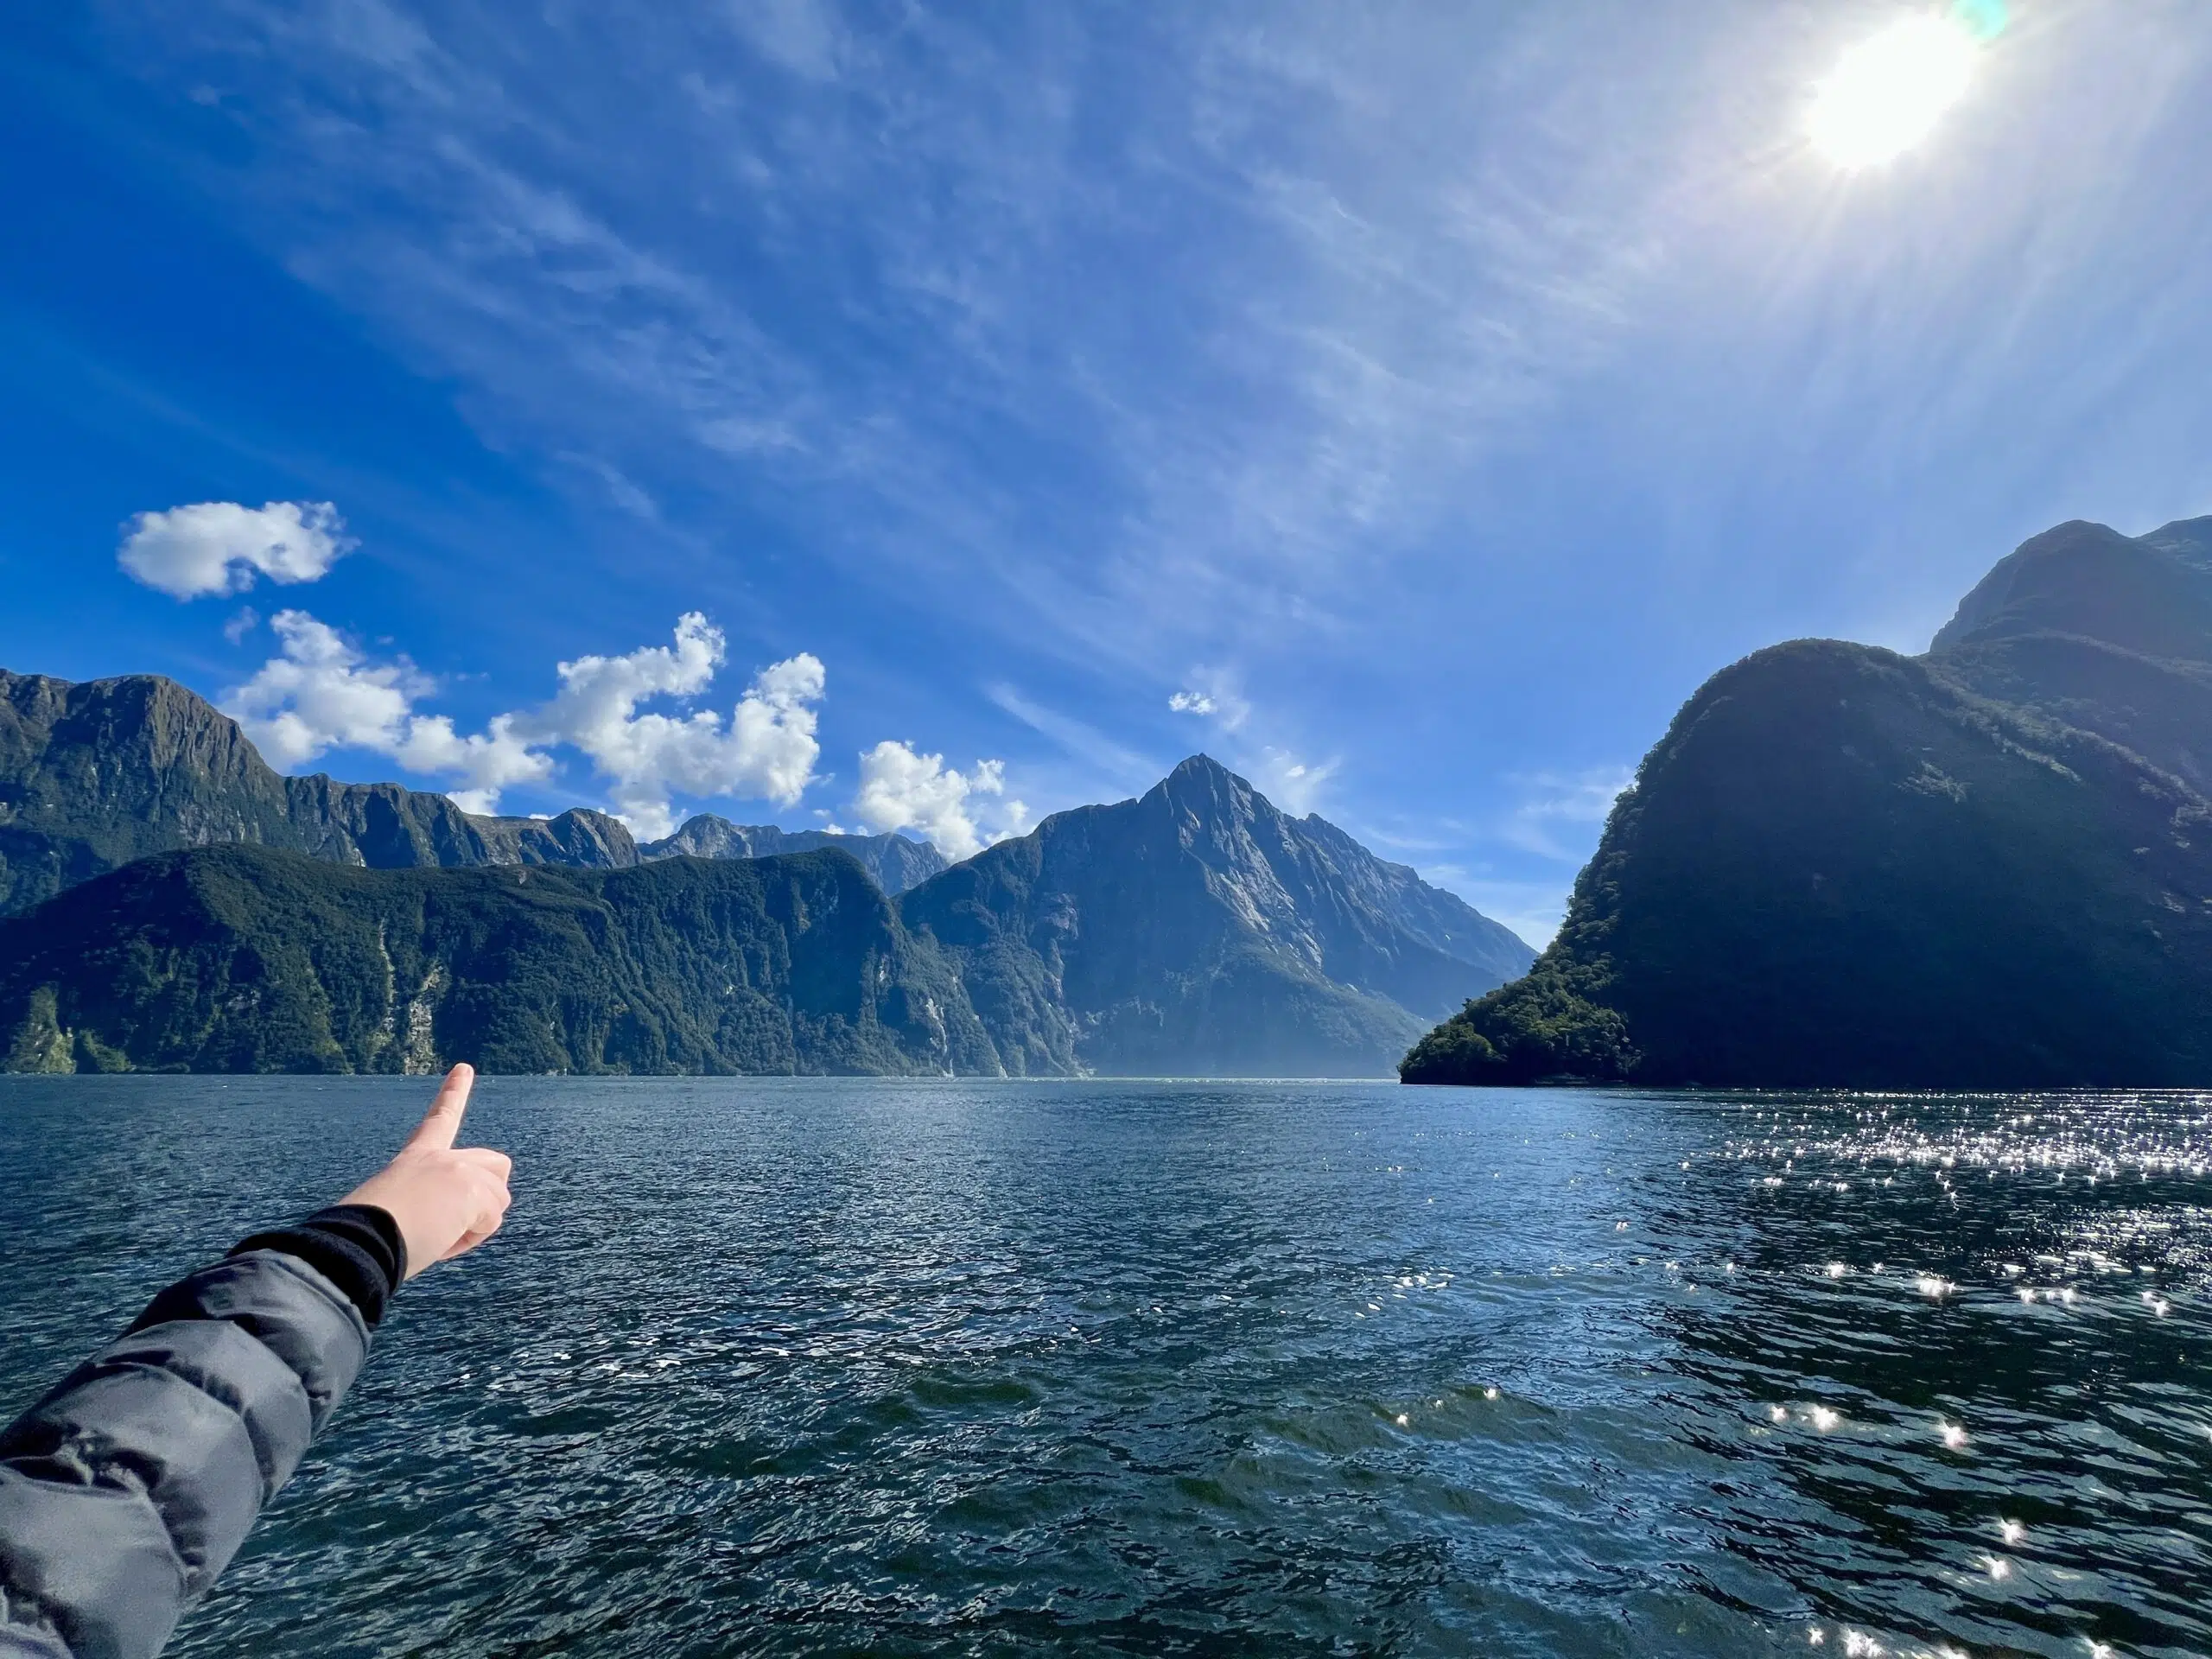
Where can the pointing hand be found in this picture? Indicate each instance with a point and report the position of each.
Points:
(447, 1199)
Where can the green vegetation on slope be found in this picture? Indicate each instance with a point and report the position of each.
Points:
(1840, 868)
(244, 959)
(1988, 867)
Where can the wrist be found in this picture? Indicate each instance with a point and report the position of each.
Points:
(358, 1247)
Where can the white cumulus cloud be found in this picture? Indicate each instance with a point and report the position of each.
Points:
(766, 748)
(901, 789)
(322, 692)
(220, 547)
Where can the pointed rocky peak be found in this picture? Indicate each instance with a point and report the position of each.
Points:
(1203, 766)
(1210, 792)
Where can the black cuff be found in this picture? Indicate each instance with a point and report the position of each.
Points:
(356, 1246)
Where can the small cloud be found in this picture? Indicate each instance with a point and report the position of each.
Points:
(621, 489)
(735, 436)
(901, 789)
(1533, 910)
(1293, 785)
(1553, 799)
(1084, 741)
(800, 35)
(244, 623)
(220, 547)
(1213, 694)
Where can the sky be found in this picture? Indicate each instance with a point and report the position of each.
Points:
(920, 415)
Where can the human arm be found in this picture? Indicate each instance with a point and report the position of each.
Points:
(129, 1487)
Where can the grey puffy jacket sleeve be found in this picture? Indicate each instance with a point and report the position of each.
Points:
(126, 1489)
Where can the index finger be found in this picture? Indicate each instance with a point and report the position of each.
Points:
(442, 1121)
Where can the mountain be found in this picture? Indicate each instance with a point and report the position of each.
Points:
(179, 905)
(1986, 868)
(897, 863)
(95, 774)
(2105, 632)
(243, 958)
(1199, 931)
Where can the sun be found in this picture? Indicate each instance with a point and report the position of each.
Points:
(1889, 91)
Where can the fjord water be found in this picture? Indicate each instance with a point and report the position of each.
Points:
(825, 1366)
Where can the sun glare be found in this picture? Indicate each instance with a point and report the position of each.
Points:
(1889, 91)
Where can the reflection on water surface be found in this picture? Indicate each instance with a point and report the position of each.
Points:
(823, 1366)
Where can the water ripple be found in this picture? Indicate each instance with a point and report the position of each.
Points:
(817, 1366)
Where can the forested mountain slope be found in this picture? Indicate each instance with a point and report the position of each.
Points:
(241, 958)
(1990, 866)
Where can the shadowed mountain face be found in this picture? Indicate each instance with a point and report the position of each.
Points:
(240, 959)
(897, 863)
(1990, 866)
(2108, 634)
(1200, 931)
(95, 774)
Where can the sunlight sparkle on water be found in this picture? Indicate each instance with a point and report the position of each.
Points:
(1889, 91)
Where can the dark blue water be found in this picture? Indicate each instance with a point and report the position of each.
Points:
(835, 1367)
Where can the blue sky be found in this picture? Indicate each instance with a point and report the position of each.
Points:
(1425, 399)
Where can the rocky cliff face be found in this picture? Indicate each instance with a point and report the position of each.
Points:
(897, 863)
(95, 774)
(1988, 867)
(1200, 931)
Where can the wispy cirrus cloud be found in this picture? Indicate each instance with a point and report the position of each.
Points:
(1422, 369)
(1558, 816)
(914, 204)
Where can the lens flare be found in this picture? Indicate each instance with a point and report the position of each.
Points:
(1889, 93)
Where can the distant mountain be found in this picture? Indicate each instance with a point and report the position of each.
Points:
(1200, 931)
(1990, 866)
(240, 959)
(95, 774)
(897, 863)
(180, 904)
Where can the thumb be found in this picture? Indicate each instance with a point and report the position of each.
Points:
(442, 1121)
